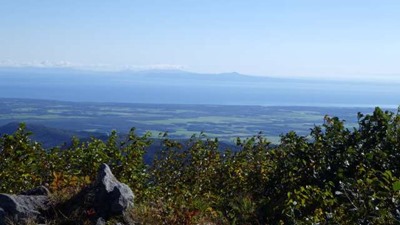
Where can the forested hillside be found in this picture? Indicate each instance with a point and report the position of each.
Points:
(333, 175)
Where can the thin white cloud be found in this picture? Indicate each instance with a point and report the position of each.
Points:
(40, 64)
(100, 67)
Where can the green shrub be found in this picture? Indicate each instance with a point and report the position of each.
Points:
(335, 175)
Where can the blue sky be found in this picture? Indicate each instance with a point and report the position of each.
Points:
(312, 38)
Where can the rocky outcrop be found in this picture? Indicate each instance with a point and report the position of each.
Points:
(111, 196)
(105, 198)
(28, 205)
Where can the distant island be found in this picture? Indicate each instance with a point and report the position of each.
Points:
(181, 87)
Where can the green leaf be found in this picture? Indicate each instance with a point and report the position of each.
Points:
(396, 186)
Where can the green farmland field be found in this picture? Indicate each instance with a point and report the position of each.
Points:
(180, 121)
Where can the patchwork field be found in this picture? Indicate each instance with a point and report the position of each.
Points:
(180, 121)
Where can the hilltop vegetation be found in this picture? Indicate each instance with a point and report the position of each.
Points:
(334, 175)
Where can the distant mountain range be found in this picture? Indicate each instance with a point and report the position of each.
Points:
(180, 87)
(51, 137)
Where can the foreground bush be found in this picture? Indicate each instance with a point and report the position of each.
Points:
(335, 175)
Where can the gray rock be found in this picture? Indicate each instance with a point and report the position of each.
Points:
(111, 196)
(2, 216)
(105, 198)
(100, 221)
(19, 207)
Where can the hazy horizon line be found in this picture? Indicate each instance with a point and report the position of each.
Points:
(310, 105)
(101, 67)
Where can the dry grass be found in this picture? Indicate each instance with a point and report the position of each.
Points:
(156, 214)
(29, 221)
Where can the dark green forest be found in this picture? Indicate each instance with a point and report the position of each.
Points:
(333, 175)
